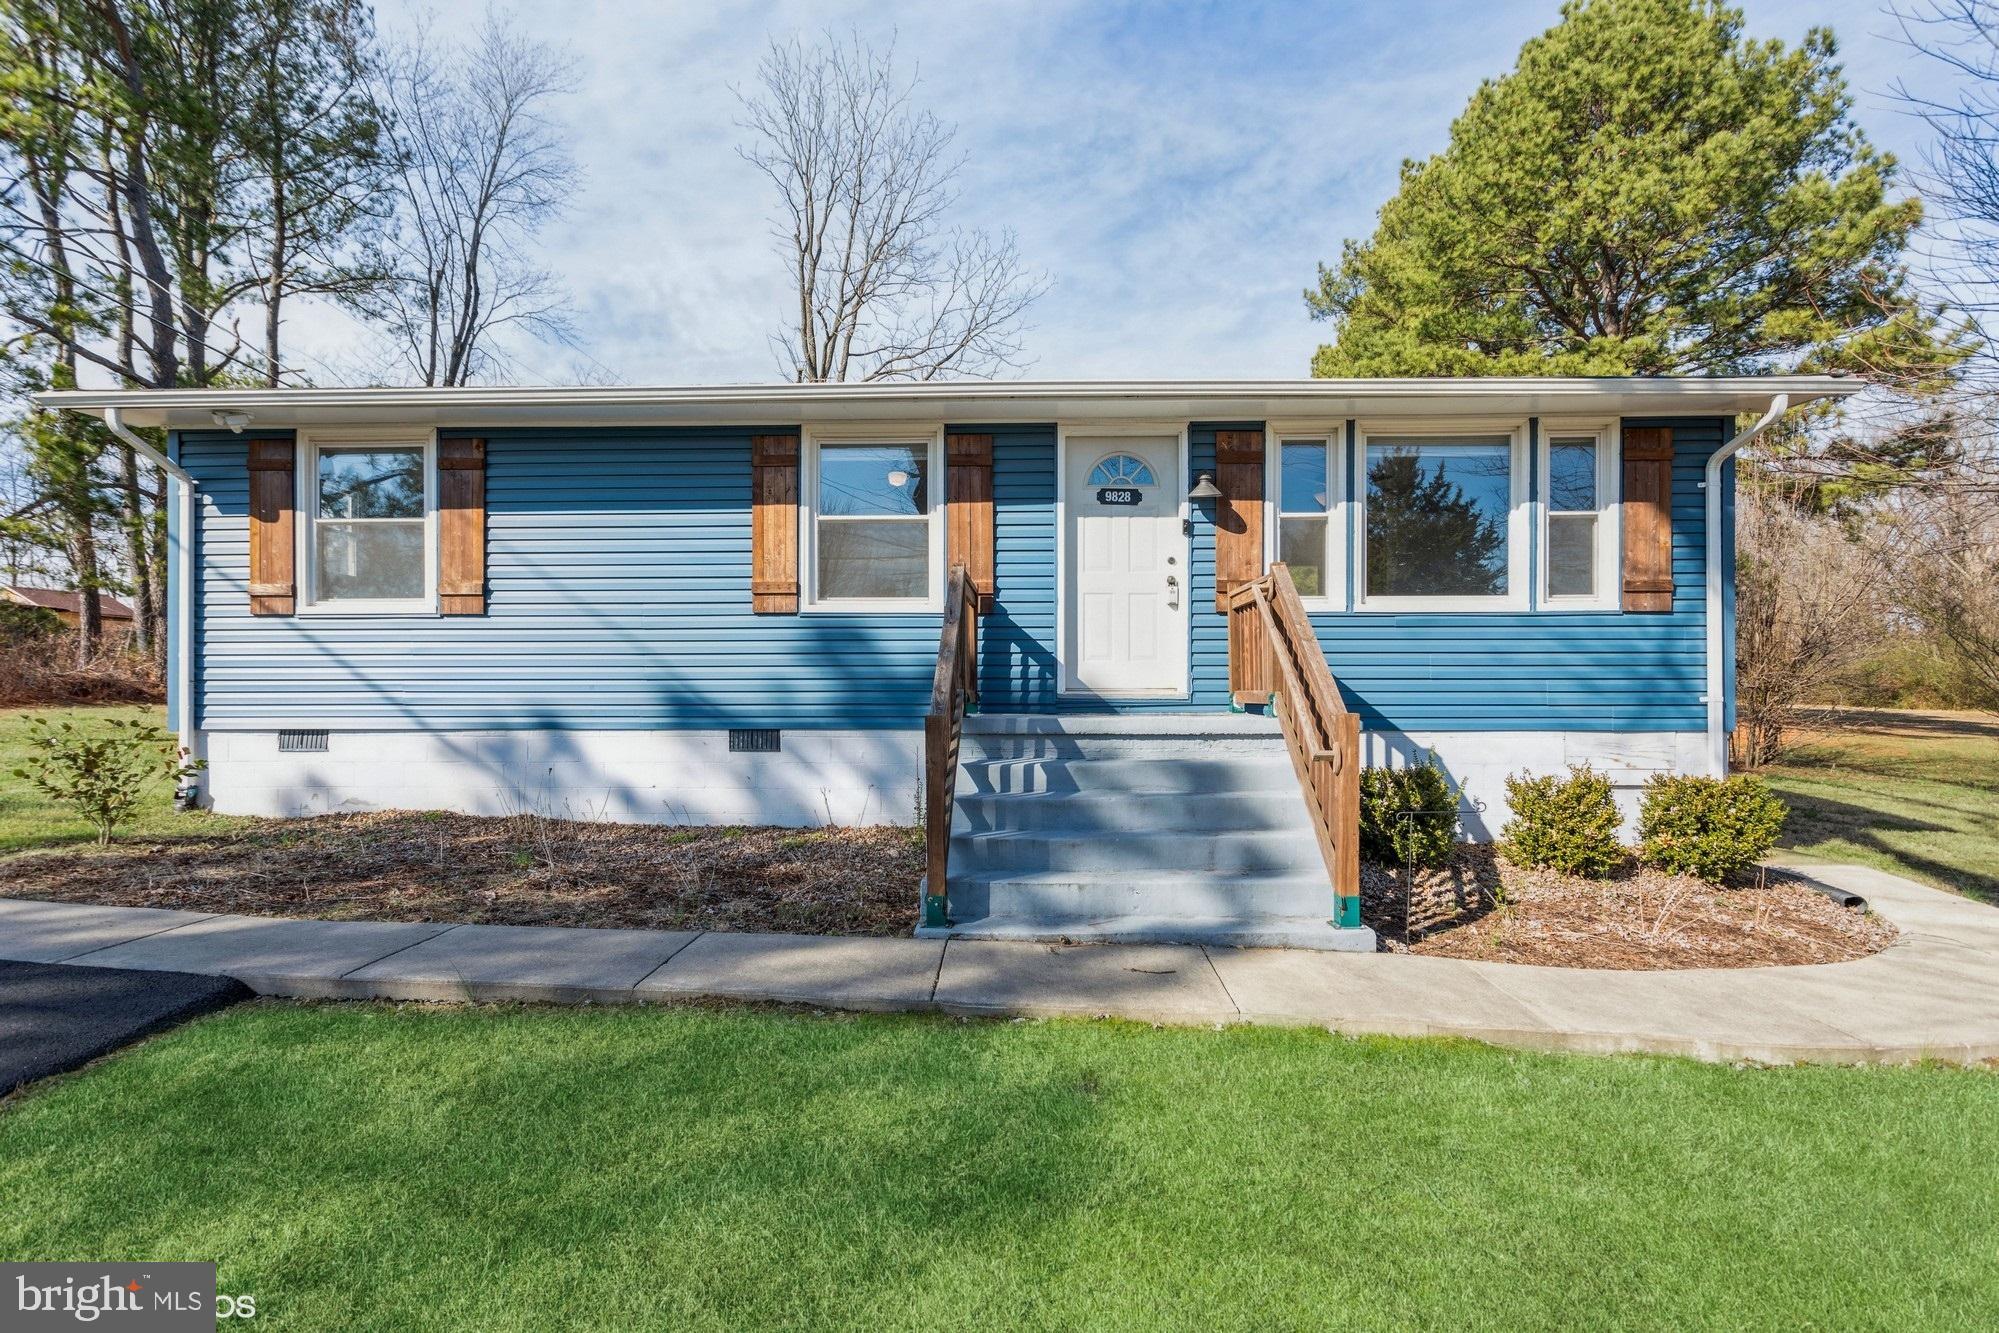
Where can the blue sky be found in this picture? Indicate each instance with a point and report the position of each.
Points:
(1177, 169)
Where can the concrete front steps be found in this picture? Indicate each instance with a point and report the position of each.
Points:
(1185, 829)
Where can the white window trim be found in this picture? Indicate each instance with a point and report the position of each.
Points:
(306, 511)
(931, 438)
(1609, 513)
(1519, 516)
(1333, 434)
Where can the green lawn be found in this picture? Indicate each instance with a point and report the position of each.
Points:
(361, 1166)
(29, 819)
(1915, 793)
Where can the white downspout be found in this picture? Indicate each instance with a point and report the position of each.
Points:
(180, 579)
(1717, 695)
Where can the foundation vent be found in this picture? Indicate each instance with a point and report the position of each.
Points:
(742, 741)
(301, 742)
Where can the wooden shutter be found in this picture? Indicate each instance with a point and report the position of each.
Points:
(461, 527)
(1648, 518)
(1239, 513)
(273, 530)
(968, 511)
(774, 524)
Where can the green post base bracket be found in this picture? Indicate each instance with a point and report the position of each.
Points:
(1348, 915)
(933, 911)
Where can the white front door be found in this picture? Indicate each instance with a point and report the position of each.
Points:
(1127, 595)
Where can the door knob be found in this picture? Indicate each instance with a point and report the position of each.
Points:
(1172, 593)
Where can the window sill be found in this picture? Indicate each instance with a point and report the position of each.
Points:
(878, 607)
(1404, 606)
(375, 610)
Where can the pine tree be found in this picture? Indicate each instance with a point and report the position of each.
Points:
(1649, 192)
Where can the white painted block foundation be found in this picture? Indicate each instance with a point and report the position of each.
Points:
(1479, 762)
(819, 777)
(659, 777)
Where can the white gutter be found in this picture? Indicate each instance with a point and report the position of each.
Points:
(1717, 684)
(180, 581)
(1022, 400)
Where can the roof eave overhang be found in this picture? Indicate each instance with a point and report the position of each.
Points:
(978, 402)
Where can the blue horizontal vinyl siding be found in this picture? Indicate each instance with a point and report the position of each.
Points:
(1018, 671)
(1540, 670)
(618, 573)
(618, 567)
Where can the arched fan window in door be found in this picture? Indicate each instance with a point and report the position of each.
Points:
(1122, 470)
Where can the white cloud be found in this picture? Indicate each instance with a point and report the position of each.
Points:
(1178, 171)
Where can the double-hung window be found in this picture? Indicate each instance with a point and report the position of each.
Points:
(873, 532)
(1580, 532)
(1443, 519)
(1307, 503)
(366, 537)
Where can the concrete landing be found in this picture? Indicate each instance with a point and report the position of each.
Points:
(1933, 994)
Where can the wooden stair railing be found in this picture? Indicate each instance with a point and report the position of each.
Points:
(955, 685)
(1275, 658)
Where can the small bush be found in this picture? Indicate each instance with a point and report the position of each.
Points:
(101, 777)
(1708, 827)
(25, 624)
(1568, 824)
(1388, 799)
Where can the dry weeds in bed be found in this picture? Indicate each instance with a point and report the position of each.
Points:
(1481, 906)
(519, 870)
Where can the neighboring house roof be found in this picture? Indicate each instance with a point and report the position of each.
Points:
(60, 599)
(953, 401)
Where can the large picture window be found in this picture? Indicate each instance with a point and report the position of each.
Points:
(872, 523)
(1438, 520)
(367, 530)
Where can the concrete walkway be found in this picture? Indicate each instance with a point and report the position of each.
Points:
(1933, 994)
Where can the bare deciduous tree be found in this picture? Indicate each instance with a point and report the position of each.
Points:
(1939, 561)
(478, 168)
(1803, 611)
(885, 288)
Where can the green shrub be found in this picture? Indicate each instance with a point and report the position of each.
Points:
(1568, 824)
(24, 624)
(101, 777)
(1708, 827)
(1388, 797)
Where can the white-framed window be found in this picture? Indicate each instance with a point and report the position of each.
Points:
(873, 520)
(1307, 489)
(1580, 536)
(1444, 516)
(367, 523)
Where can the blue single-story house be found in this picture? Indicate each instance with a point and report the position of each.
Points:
(728, 605)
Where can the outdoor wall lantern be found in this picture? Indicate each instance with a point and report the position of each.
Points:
(1204, 488)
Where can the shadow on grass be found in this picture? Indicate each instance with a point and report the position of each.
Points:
(1891, 722)
(1817, 820)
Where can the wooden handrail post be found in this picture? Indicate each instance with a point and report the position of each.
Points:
(955, 684)
(937, 799)
(1346, 819)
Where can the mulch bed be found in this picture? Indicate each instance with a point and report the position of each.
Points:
(531, 871)
(1482, 906)
(521, 870)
